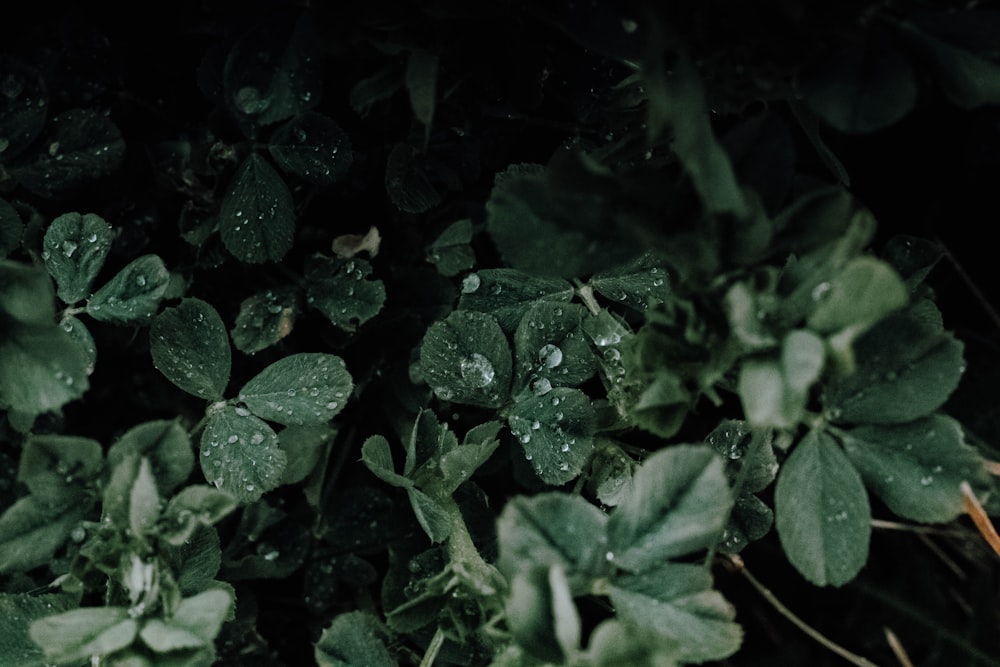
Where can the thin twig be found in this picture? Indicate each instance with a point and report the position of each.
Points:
(979, 517)
(897, 648)
(798, 622)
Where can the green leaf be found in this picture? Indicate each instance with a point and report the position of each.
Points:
(300, 389)
(196, 621)
(11, 227)
(194, 506)
(865, 86)
(465, 358)
(421, 84)
(552, 529)
(762, 151)
(167, 446)
(81, 335)
(750, 520)
(431, 516)
(429, 440)
(374, 89)
(663, 404)
(78, 147)
(23, 107)
(409, 180)
(377, 456)
(451, 251)
(196, 558)
(341, 290)
(354, 638)
(458, 465)
(675, 602)
(133, 295)
(912, 257)
(749, 456)
(822, 512)
(906, 369)
(54, 467)
(17, 612)
(130, 496)
(960, 47)
(679, 504)
(313, 147)
(257, 214)
(916, 468)
(73, 636)
(638, 284)
(507, 294)
(74, 249)
(610, 475)
(189, 345)
(543, 619)
(240, 454)
(556, 430)
(41, 368)
(25, 294)
(864, 292)
(31, 531)
(550, 348)
(274, 71)
(305, 447)
(265, 318)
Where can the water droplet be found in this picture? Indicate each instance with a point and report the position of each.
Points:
(610, 556)
(233, 439)
(564, 466)
(556, 400)
(495, 289)
(68, 248)
(550, 356)
(332, 405)
(250, 487)
(525, 438)
(564, 447)
(527, 455)
(257, 438)
(820, 291)
(291, 393)
(242, 412)
(92, 238)
(470, 284)
(140, 281)
(535, 425)
(477, 370)
(927, 481)
(657, 282)
(541, 386)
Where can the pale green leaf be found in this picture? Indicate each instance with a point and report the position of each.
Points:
(679, 504)
(41, 368)
(194, 506)
(189, 345)
(17, 612)
(822, 512)
(676, 603)
(257, 215)
(431, 516)
(240, 454)
(74, 249)
(31, 531)
(54, 466)
(73, 636)
(167, 446)
(299, 389)
(916, 468)
(865, 291)
(465, 358)
(543, 619)
(354, 638)
(26, 293)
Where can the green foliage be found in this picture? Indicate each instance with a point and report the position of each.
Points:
(469, 334)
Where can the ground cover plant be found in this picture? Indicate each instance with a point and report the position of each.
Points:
(514, 334)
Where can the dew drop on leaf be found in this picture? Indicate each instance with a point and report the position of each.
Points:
(470, 283)
(477, 370)
(550, 356)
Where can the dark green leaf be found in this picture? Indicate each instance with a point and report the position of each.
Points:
(865, 291)
(11, 227)
(916, 468)
(17, 612)
(78, 147)
(409, 180)
(81, 335)
(507, 294)
(23, 107)
(167, 446)
(274, 71)
(421, 83)
(429, 440)
(451, 251)
(863, 87)
(610, 474)
(912, 257)
(133, 295)
(73, 636)
(749, 456)
(54, 466)
(638, 284)
(341, 290)
(550, 348)
(313, 147)
(676, 603)
(354, 638)
(41, 368)
(257, 215)
(810, 124)
(552, 529)
(376, 88)
(679, 504)
(459, 464)
(265, 318)
(305, 447)
(822, 512)
(300, 389)
(906, 369)
(197, 557)
(465, 358)
(961, 48)
(750, 520)
(26, 293)
(377, 456)
(555, 428)
(663, 404)
(31, 531)
(189, 345)
(74, 249)
(240, 454)
(762, 151)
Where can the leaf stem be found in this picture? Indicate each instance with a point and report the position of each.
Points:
(979, 517)
(437, 641)
(812, 632)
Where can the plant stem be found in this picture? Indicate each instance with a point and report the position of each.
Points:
(465, 557)
(796, 621)
(432, 649)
